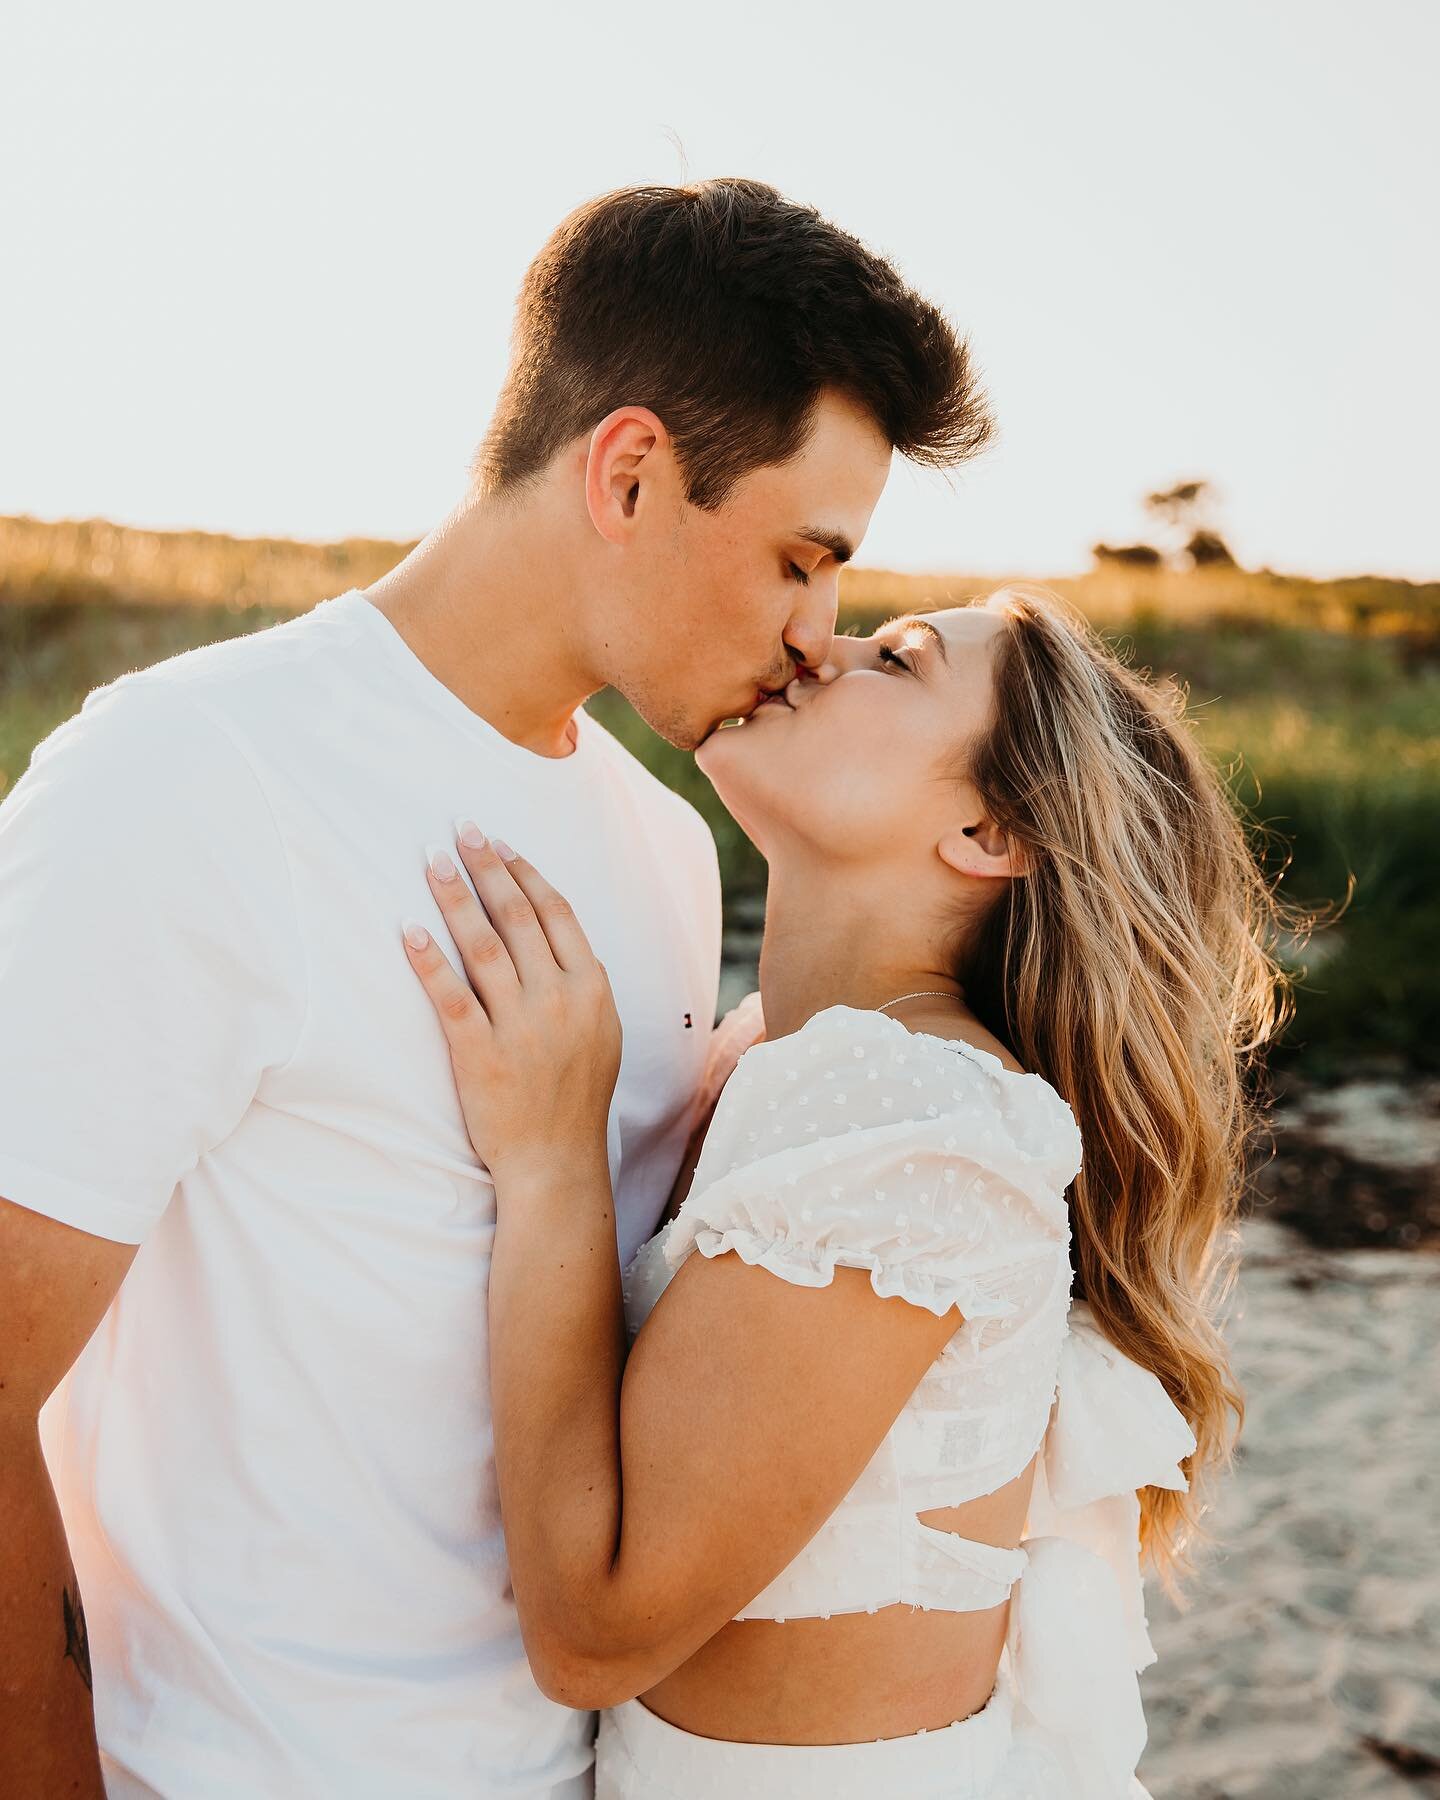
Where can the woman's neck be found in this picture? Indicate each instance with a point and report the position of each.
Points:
(830, 942)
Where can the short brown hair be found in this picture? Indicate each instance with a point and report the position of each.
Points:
(726, 309)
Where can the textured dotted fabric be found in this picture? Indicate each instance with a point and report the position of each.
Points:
(857, 1143)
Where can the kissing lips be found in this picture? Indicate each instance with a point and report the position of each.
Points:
(764, 700)
(767, 697)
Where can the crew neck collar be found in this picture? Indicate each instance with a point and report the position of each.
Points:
(428, 687)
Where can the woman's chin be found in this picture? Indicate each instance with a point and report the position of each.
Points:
(732, 767)
(713, 750)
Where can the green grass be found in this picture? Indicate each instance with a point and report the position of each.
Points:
(1320, 700)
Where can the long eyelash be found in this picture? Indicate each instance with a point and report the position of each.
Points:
(888, 655)
(800, 575)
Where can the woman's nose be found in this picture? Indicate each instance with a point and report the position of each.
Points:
(815, 667)
(842, 654)
(806, 676)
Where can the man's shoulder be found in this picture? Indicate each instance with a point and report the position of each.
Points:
(148, 788)
(230, 669)
(153, 743)
(216, 699)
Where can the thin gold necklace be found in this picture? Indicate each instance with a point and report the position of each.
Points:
(923, 994)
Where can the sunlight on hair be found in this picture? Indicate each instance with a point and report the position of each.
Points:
(1136, 969)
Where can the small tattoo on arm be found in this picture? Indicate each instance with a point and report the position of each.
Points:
(77, 1637)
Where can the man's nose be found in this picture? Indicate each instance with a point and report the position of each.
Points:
(811, 630)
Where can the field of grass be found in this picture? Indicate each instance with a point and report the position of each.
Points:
(1320, 699)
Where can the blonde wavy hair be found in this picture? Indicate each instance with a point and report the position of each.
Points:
(1134, 967)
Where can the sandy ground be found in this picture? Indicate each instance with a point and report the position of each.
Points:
(1308, 1663)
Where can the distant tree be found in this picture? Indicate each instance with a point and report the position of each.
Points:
(1136, 556)
(1181, 505)
(1188, 536)
(1186, 511)
(1208, 550)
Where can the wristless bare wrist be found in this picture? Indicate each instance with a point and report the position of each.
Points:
(553, 1172)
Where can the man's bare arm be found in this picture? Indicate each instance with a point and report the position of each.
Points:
(55, 1284)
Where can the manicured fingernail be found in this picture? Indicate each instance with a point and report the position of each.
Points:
(442, 863)
(503, 850)
(470, 835)
(416, 936)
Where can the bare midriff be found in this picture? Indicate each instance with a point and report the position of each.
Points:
(841, 1680)
(855, 1676)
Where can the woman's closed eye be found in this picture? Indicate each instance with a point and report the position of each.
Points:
(887, 655)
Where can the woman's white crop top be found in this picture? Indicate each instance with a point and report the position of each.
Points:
(857, 1143)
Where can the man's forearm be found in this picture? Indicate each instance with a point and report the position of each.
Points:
(47, 1719)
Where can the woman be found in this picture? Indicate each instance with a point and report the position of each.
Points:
(858, 1515)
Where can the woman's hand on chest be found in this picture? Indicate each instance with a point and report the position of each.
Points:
(532, 1027)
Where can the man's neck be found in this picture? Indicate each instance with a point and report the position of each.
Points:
(487, 602)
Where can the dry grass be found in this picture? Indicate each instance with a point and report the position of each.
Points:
(87, 560)
(92, 560)
(1321, 700)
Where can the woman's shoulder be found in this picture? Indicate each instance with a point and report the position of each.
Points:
(855, 1141)
(853, 1074)
(914, 1071)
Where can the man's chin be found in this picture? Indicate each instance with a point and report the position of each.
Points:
(686, 734)
(687, 737)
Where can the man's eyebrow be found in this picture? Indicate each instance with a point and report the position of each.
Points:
(912, 621)
(835, 542)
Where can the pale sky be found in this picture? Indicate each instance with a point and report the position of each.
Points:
(260, 260)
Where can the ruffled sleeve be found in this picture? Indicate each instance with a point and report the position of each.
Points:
(850, 1148)
(1077, 1634)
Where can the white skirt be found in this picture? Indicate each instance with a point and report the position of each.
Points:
(641, 1757)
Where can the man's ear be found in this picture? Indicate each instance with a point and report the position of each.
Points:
(625, 448)
(982, 849)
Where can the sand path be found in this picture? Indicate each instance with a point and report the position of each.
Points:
(1315, 1621)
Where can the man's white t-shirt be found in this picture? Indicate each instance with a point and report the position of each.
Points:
(274, 1457)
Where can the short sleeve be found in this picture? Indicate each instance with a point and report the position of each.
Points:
(151, 967)
(919, 1173)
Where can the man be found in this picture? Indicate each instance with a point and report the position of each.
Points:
(272, 1456)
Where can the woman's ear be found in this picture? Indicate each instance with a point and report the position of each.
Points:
(982, 850)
